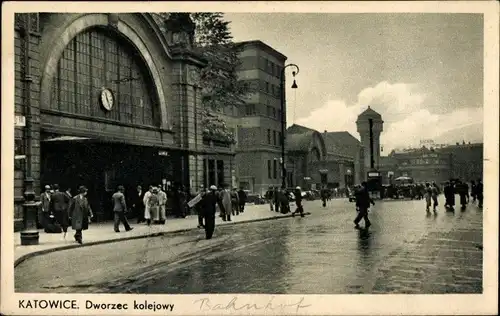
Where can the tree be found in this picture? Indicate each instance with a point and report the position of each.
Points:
(219, 81)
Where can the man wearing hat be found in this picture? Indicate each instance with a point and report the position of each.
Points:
(298, 202)
(119, 210)
(80, 213)
(44, 210)
(209, 202)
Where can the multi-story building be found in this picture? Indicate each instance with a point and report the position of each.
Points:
(427, 164)
(258, 129)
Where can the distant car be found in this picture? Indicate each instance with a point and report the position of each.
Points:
(255, 198)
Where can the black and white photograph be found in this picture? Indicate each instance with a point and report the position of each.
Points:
(250, 158)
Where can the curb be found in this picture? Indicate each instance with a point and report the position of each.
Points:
(158, 234)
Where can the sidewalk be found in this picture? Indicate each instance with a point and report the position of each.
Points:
(99, 233)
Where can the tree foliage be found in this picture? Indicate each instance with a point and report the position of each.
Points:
(219, 81)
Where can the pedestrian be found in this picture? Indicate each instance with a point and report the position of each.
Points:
(462, 190)
(473, 191)
(298, 202)
(138, 204)
(209, 202)
(363, 201)
(154, 206)
(226, 202)
(235, 203)
(277, 198)
(435, 194)
(120, 209)
(44, 209)
(324, 195)
(182, 201)
(270, 197)
(428, 197)
(449, 195)
(479, 193)
(199, 206)
(80, 213)
(145, 200)
(242, 199)
(59, 205)
(162, 199)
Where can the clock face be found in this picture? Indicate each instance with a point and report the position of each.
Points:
(107, 99)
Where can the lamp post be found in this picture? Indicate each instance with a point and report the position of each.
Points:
(283, 121)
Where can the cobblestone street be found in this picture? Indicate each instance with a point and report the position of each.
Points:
(405, 251)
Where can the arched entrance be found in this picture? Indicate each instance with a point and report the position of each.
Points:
(101, 96)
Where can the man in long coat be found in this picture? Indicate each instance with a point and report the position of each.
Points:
(226, 202)
(119, 210)
(138, 204)
(44, 209)
(162, 197)
(363, 201)
(80, 213)
(59, 205)
(209, 202)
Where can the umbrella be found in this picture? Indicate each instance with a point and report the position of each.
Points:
(403, 179)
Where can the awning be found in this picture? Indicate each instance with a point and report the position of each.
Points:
(65, 139)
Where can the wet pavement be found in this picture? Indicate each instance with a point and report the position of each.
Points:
(404, 251)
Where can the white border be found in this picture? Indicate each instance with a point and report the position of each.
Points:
(320, 304)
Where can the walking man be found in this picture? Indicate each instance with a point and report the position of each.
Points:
(235, 203)
(80, 214)
(473, 191)
(270, 197)
(59, 204)
(162, 198)
(363, 201)
(435, 194)
(138, 204)
(479, 193)
(209, 202)
(324, 195)
(119, 209)
(226, 202)
(298, 202)
(242, 199)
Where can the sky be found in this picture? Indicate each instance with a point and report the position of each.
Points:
(422, 72)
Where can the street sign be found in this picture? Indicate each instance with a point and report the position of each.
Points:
(19, 121)
(163, 153)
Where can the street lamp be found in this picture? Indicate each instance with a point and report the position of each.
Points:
(283, 121)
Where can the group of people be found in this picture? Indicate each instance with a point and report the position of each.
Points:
(229, 202)
(464, 192)
(59, 210)
(279, 200)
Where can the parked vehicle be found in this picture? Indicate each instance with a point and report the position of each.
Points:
(255, 198)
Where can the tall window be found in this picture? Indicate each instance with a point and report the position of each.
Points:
(280, 138)
(93, 60)
(269, 136)
(269, 170)
(274, 138)
(275, 169)
(211, 172)
(220, 173)
(267, 87)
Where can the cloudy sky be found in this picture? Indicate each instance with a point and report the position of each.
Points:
(422, 72)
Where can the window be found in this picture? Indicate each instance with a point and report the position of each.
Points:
(269, 136)
(274, 138)
(269, 110)
(267, 87)
(92, 60)
(250, 109)
(275, 169)
(280, 138)
(269, 170)
(274, 112)
(220, 172)
(279, 115)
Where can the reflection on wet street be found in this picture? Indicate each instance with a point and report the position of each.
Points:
(323, 254)
(404, 251)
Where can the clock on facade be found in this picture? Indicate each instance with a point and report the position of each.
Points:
(107, 99)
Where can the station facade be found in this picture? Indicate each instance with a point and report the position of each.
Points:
(108, 99)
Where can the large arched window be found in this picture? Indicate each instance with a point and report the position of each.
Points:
(94, 60)
(314, 155)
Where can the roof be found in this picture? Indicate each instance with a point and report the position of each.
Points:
(369, 112)
(299, 129)
(263, 46)
(341, 143)
(299, 142)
